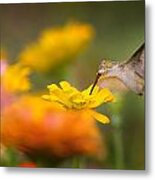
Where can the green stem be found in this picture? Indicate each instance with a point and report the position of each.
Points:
(118, 144)
(78, 163)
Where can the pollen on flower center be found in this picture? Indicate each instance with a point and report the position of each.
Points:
(79, 102)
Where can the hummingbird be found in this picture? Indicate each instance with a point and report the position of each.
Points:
(129, 72)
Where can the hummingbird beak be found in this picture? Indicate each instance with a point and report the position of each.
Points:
(95, 82)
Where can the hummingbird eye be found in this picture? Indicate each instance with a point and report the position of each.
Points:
(109, 65)
(103, 64)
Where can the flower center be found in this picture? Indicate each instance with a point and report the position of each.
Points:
(78, 101)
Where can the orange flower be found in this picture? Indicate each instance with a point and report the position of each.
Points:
(40, 128)
(28, 165)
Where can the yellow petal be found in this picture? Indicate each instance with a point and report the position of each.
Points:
(102, 96)
(53, 87)
(46, 97)
(62, 97)
(77, 98)
(57, 94)
(67, 88)
(106, 95)
(100, 117)
(87, 91)
(65, 85)
(50, 98)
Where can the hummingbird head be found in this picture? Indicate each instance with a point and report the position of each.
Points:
(106, 66)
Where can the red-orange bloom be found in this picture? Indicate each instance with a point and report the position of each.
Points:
(37, 127)
(28, 165)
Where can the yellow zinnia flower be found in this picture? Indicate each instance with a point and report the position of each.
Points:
(70, 98)
(15, 78)
(57, 45)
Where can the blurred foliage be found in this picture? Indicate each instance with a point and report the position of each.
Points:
(119, 30)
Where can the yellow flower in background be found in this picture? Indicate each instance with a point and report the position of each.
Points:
(15, 78)
(56, 45)
(70, 98)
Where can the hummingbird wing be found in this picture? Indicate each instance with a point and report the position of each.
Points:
(136, 62)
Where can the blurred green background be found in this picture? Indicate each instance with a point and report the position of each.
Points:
(119, 30)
